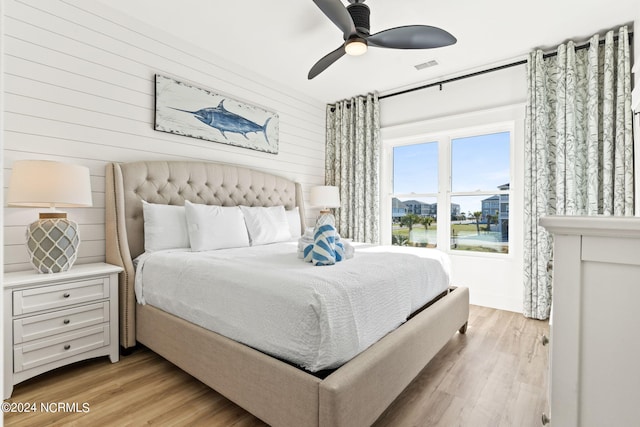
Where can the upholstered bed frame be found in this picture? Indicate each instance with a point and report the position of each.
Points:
(276, 392)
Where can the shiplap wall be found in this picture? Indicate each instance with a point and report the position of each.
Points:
(79, 88)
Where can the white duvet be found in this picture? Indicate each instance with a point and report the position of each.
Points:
(267, 298)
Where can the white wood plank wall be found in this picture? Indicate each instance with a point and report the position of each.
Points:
(79, 88)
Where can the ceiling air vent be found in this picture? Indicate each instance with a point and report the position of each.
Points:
(427, 64)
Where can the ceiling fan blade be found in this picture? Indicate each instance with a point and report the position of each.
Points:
(412, 37)
(326, 61)
(338, 14)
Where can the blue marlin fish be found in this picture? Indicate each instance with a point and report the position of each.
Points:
(225, 121)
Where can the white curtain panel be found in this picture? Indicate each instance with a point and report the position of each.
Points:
(578, 147)
(352, 164)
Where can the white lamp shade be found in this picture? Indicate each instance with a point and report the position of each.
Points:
(43, 183)
(325, 196)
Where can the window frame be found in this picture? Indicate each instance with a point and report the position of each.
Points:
(444, 195)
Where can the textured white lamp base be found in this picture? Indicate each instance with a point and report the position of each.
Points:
(52, 243)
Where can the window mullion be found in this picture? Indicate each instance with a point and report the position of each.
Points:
(444, 192)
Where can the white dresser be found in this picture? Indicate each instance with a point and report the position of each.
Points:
(595, 333)
(52, 320)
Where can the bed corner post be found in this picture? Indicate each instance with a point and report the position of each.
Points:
(300, 205)
(117, 252)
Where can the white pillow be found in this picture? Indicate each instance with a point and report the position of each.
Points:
(215, 227)
(165, 227)
(266, 225)
(293, 216)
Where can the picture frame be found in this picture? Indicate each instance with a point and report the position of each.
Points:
(184, 109)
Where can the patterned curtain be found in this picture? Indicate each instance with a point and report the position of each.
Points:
(352, 164)
(578, 147)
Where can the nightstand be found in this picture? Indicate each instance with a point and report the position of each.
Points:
(52, 320)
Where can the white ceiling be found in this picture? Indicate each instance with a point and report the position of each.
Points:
(282, 39)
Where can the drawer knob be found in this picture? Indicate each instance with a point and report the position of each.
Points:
(66, 321)
(67, 346)
(66, 295)
(545, 340)
(545, 419)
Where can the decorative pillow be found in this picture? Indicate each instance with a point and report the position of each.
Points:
(165, 227)
(266, 225)
(293, 216)
(215, 227)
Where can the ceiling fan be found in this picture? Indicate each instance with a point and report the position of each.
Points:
(353, 21)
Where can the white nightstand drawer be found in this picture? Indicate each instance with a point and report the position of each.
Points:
(57, 322)
(48, 297)
(45, 351)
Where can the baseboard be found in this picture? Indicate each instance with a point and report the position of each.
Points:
(499, 302)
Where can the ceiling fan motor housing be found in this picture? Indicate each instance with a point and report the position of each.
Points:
(360, 14)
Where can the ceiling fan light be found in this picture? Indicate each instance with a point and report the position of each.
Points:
(356, 46)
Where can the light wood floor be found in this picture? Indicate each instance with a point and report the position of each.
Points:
(495, 375)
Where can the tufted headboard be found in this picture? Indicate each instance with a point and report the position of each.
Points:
(173, 182)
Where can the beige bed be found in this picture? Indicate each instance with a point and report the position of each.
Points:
(274, 391)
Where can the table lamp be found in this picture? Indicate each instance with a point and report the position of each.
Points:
(325, 197)
(53, 240)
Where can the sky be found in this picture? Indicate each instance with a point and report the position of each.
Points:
(478, 163)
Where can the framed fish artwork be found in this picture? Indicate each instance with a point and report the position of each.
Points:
(200, 113)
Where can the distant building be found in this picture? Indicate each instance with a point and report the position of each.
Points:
(455, 210)
(413, 206)
(400, 209)
(490, 206)
(498, 205)
(504, 213)
(397, 209)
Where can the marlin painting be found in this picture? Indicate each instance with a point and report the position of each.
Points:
(225, 121)
(196, 112)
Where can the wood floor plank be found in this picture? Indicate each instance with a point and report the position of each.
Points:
(495, 375)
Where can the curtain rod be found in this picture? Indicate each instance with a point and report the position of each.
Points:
(490, 70)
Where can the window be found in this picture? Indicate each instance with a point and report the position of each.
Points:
(469, 176)
(414, 205)
(480, 175)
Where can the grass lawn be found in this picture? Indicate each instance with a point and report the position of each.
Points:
(466, 228)
(460, 229)
(463, 231)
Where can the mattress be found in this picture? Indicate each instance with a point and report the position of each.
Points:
(269, 299)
